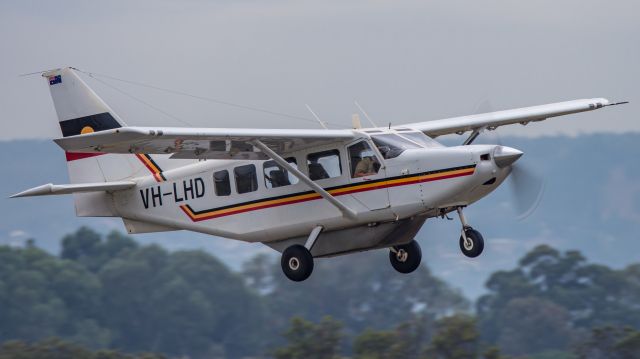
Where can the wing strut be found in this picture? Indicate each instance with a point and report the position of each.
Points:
(346, 211)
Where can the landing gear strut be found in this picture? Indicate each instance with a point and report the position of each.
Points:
(471, 241)
(406, 258)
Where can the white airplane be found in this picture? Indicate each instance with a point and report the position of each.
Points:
(305, 193)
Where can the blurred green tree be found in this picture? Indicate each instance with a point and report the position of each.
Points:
(42, 296)
(529, 324)
(610, 343)
(183, 303)
(372, 296)
(307, 340)
(55, 348)
(567, 288)
(456, 337)
(407, 341)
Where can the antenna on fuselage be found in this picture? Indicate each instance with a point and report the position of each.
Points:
(355, 121)
(366, 115)
(316, 117)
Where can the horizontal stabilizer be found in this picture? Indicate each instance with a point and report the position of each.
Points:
(51, 189)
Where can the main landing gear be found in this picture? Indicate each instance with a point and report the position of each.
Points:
(471, 241)
(405, 258)
(297, 261)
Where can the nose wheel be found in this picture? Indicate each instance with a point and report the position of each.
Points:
(471, 241)
(406, 258)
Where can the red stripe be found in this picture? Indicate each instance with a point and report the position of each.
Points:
(251, 209)
(381, 186)
(156, 175)
(72, 156)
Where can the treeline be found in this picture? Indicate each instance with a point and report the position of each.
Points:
(452, 337)
(114, 293)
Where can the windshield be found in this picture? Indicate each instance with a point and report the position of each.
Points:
(392, 145)
(421, 139)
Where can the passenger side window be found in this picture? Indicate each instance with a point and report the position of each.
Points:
(324, 164)
(246, 179)
(277, 176)
(221, 183)
(362, 160)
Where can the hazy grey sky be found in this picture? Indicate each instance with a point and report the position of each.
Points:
(404, 61)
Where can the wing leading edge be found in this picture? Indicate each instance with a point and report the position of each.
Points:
(492, 120)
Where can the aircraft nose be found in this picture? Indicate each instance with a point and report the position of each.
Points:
(505, 156)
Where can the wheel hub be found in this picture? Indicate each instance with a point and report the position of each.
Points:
(294, 263)
(468, 244)
(402, 255)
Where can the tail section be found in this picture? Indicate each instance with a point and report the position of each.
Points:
(80, 111)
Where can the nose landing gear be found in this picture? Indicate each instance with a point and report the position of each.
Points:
(471, 241)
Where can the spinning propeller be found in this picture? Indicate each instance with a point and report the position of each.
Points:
(527, 187)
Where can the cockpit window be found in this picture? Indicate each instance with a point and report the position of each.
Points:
(363, 160)
(392, 145)
(421, 139)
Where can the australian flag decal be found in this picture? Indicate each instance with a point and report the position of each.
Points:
(55, 80)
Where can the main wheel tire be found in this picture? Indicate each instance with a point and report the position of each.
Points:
(474, 245)
(407, 257)
(297, 263)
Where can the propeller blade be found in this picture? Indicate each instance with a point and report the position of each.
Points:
(527, 188)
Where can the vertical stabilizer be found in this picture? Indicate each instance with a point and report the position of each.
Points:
(80, 111)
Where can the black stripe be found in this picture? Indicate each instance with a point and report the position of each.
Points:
(98, 122)
(156, 166)
(329, 189)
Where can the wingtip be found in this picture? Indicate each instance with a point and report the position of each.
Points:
(35, 191)
(617, 103)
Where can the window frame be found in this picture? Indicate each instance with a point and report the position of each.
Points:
(290, 160)
(318, 154)
(374, 151)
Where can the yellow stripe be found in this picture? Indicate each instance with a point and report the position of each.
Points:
(334, 192)
(146, 160)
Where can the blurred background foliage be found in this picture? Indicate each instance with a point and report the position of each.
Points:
(104, 296)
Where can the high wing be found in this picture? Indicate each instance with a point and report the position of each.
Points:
(211, 143)
(216, 143)
(492, 120)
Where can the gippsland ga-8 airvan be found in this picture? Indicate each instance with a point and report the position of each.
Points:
(306, 193)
